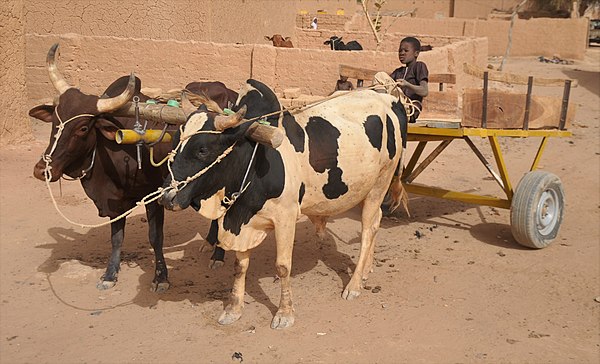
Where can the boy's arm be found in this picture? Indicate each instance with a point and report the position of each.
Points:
(421, 90)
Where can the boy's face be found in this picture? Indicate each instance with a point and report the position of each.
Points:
(407, 53)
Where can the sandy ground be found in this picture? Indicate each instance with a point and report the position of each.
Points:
(462, 292)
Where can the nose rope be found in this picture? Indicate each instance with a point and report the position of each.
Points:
(179, 185)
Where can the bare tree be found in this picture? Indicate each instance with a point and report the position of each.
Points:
(375, 23)
(512, 22)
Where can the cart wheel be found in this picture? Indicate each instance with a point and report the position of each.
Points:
(537, 208)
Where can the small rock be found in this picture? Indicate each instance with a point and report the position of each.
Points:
(391, 265)
(501, 253)
(95, 313)
(437, 262)
(419, 234)
(536, 335)
(377, 289)
(237, 356)
(512, 341)
(251, 330)
(597, 299)
(368, 288)
(321, 333)
(471, 262)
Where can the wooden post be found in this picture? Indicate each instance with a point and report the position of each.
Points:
(528, 103)
(484, 101)
(565, 105)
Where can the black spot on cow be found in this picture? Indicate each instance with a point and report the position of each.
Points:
(403, 119)
(294, 132)
(374, 130)
(301, 193)
(267, 179)
(323, 154)
(391, 137)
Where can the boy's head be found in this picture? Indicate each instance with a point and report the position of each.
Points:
(343, 78)
(409, 50)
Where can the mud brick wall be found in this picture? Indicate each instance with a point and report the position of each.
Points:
(14, 122)
(92, 63)
(534, 37)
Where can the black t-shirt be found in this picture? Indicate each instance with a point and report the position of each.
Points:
(415, 74)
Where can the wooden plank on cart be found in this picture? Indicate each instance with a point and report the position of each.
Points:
(357, 72)
(514, 79)
(507, 110)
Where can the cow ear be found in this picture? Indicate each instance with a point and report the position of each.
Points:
(107, 128)
(288, 38)
(42, 112)
(267, 38)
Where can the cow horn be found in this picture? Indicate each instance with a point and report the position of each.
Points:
(114, 103)
(202, 98)
(186, 105)
(57, 79)
(226, 122)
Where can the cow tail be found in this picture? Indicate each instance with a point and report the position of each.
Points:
(397, 192)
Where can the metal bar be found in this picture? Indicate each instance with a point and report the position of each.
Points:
(501, 166)
(427, 161)
(484, 100)
(413, 160)
(538, 155)
(487, 164)
(416, 132)
(565, 105)
(423, 190)
(528, 103)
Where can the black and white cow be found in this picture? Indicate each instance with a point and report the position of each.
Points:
(337, 44)
(336, 155)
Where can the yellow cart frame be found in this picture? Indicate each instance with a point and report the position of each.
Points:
(424, 134)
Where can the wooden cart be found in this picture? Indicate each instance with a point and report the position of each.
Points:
(537, 203)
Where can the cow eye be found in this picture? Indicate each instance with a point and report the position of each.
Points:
(84, 129)
(202, 152)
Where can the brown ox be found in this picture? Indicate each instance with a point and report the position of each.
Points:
(279, 41)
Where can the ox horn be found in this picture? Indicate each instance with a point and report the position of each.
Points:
(57, 79)
(114, 103)
(186, 105)
(226, 122)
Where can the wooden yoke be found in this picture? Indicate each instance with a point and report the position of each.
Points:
(260, 133)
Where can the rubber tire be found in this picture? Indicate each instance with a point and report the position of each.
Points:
(534, 189)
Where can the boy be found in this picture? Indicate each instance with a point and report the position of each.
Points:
(343, 84)
(411, 78)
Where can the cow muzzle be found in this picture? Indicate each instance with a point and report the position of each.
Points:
(168, 200)
(39, 172)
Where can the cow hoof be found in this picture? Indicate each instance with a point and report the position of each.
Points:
(160, 287)
(103, 285)
(350, 295)
(282, 321)
(227, 318)
(216, 264)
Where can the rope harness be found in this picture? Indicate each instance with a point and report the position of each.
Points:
(177, 186)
